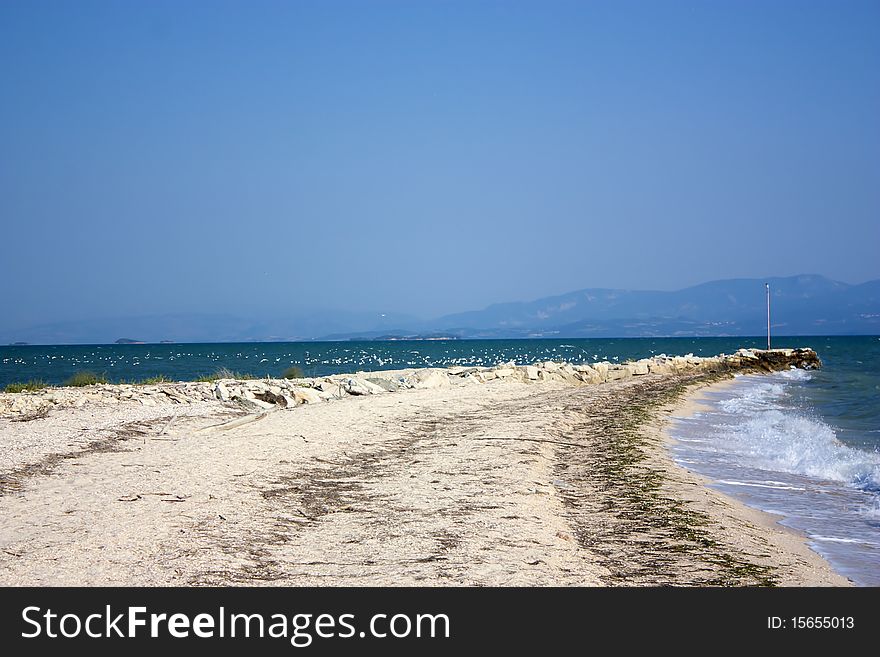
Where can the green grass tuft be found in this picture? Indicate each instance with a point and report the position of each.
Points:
(154, 380)
(29, 386)
(224, 373)
(85, 378)
(293, 372)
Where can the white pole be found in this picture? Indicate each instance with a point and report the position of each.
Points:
(768, 315)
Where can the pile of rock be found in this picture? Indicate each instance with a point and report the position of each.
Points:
(288, 393)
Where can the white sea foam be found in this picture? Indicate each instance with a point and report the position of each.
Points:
(757, 396)
(787, 442)
(871, 511)
(836, 539)
(759, 429)
(756, 484)
(795, 375)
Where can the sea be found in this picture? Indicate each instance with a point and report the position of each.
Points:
(804, 445)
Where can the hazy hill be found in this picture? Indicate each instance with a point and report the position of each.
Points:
(808, 304)
(801, 305)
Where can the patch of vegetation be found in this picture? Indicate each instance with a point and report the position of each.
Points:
(225, 373)
(153, 380)
(642, 508)
(29, 386)
(293, 372)
(85, 378)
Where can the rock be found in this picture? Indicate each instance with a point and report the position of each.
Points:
(355, 386)
(377, 389)
(568, 374)
(779, 359)
(529, 372)
(550, 366)
(659, 365)
(429, 378)
(271, 398)
(588, 375)
(504, 372)
(679, 363)
(178, 397)
(602, 370)
(306, 396)
(260, 404)
(385, 384)
(618, 372)
(806, 358)
(290, 384)
(638, 368)
(328, 385)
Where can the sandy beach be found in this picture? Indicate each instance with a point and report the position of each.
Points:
(510, 482)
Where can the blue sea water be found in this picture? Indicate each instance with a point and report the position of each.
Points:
(805, 445)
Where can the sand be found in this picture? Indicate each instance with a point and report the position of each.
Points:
(505, 483)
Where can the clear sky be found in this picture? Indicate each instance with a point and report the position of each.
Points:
(427, 157)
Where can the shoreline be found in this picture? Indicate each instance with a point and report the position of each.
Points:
(754, 525)
(534, 477)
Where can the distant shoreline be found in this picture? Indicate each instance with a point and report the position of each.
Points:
(786, 337)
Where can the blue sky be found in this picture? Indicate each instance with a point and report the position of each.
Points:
(267, 158)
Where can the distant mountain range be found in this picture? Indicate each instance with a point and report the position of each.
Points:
(801, 305)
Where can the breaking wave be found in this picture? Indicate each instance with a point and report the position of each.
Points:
(772, 437)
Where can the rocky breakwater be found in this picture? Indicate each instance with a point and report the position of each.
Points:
(272, 394)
